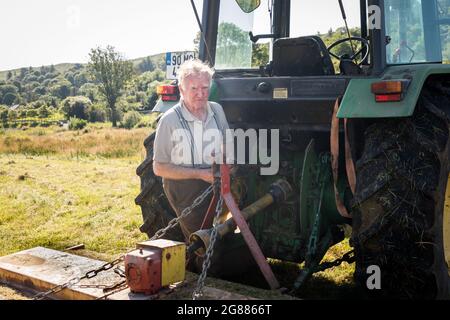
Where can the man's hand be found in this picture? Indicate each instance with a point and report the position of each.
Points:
(207, 175)
(174, 172)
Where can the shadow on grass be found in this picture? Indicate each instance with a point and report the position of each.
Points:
(317, 287)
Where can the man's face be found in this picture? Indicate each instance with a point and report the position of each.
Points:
(195, 92)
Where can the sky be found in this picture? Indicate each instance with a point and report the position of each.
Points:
(45, 32)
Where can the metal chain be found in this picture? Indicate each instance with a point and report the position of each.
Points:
(172, 223)
(158, 234)
(104, 287)
(348, 257)
(88, 275)
(117, 288)
(198, 292)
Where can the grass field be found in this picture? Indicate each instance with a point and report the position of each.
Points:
(61, 188)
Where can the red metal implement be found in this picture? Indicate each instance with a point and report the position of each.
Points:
(245, 230)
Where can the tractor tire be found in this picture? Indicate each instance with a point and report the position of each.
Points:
(399, 202)
(156, 210)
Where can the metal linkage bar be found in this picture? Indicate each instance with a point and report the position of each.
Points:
(245, 230)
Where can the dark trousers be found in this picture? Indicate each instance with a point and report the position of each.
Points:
(231, 255)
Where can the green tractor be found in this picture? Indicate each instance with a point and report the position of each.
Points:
(363, 141)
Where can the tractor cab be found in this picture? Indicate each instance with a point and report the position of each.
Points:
(267, 42)
(275, 38)
(274, 54)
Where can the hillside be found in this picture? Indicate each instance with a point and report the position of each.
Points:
(69, 90)
(64, 67)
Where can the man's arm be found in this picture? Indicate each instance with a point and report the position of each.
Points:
(174, 172)
(162, 149)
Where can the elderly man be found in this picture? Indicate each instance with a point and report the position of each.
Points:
(181, 146)
(183, 154)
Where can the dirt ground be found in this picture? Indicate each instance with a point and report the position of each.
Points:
(9, 293)
(215, 289)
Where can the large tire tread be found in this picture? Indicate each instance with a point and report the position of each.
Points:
(397, 225)
(156, 210)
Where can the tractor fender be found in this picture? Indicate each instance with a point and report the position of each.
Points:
(359, 101)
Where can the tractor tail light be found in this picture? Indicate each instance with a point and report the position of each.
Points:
(388, 97)
(170, 98)
(167, 89)
(390, 91)
(168, 92)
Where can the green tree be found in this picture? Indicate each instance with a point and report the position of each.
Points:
(31, 113)
(23, 72)
(234, 48)
(4, 116)
(22, 113)
(39, 91)
(77, 107)
(69, 76)
(4, 89)
(97, 113)
(112, 72)
(161, 63)
(89, 90)
(146, 65)
(9, 98)
(18, 85)
(43, 112)
(131, 119)
(12, 115)
(260, 55)
(80, 79)
(61, 89)
(53, 102)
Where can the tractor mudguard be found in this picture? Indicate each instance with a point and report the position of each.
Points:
(163, 106)
(359, 101)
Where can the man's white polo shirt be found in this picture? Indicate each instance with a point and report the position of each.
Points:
(176, 131)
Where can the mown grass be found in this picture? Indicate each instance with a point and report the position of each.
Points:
(57, 203)
(60, 188)
(333, 283)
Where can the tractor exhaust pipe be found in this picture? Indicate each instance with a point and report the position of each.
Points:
(199, 240)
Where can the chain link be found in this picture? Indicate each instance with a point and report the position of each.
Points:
(158, 234)
(198, 292)
(55, 289)
(104, 287)
(117, 288)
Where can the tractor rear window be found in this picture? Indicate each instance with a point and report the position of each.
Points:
(417, 31)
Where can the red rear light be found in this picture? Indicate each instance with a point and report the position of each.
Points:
(390, 90)
(170, 98)
(168, 92)
(388, 97)
(167, 89)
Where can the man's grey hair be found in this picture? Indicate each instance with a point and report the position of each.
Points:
(193, 67)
